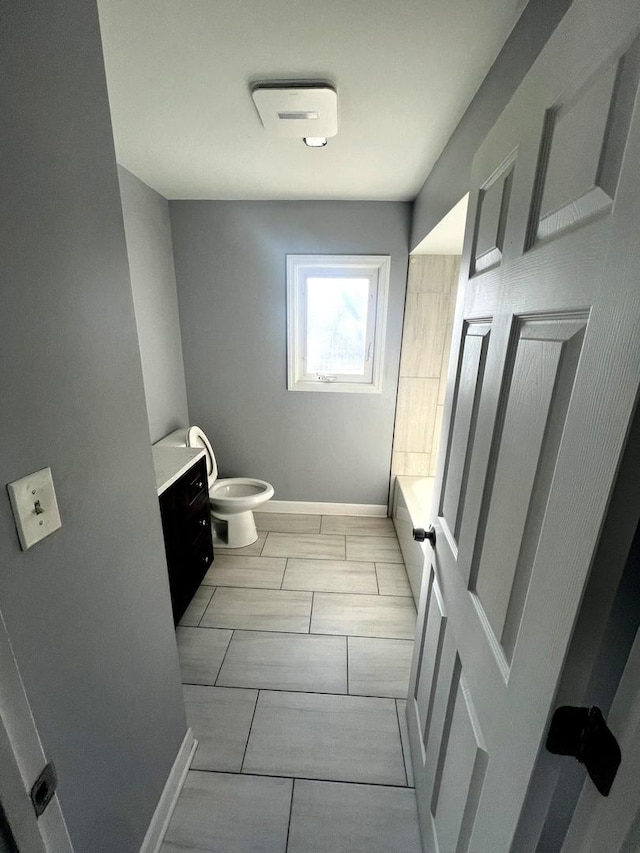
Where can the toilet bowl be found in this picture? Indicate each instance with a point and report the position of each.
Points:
(232, 500)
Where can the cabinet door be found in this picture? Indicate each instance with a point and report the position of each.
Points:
(171, 529)
(186, 523)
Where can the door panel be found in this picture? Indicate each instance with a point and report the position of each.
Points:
(577, 183)
(532, 411)
(544, 381)
(462, 769)
(430, 651)
(491, 217)
(468, 388)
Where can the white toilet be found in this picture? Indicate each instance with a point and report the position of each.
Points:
(232, 500)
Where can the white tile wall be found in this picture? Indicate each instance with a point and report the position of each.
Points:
(426, 342)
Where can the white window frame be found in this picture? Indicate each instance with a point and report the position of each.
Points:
(376, 269)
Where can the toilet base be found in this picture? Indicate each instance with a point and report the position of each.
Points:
(233, 530)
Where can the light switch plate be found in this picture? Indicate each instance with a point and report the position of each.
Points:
(35, 508)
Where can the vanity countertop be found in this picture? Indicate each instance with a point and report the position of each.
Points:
(170, 463)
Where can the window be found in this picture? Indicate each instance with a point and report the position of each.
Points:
(336, 319)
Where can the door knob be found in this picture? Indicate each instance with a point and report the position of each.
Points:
(420, 534)
(584, 734)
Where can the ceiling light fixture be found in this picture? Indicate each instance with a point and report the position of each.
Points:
(298, 110)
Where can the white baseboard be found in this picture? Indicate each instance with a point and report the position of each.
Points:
(321, 508)
(169, 797)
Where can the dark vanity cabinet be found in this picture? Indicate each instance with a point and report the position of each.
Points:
(186, 523)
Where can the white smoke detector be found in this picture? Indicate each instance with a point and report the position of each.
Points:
(297, 112)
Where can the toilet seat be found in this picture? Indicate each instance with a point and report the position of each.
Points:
(196, 438)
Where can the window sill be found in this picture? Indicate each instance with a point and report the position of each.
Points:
(335, 387)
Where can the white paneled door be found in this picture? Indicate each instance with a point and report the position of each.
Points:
(543, 383)
(21, 760)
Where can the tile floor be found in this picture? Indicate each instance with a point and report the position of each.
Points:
(295, 656)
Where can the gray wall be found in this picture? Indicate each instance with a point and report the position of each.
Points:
(153, 279)
(87, 609)
(230, 268)
(450, 178)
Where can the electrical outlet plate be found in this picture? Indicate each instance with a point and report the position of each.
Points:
(35, 508)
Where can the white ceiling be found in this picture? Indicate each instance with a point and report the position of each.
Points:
(447, 238)
(179, 74)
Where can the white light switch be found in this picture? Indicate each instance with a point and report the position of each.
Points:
(34, 505)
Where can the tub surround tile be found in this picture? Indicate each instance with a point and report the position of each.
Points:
(230, 812)
(259, 610)
(201, 652)
(330, 576)
(332, 816)
(424, 334)
(379, 667)
(286, 662)
(246, 571)
(346, 738)
(357, 525)
(301, 545)
(392, 617)
(411, 464)
(426, 343)
(287, 522)
(195, 611)
(433, 274)
(401, 705)
(392, 579)
(383, 549)
(220, 718)
(416, 411)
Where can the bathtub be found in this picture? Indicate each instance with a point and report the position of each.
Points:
(412, 508)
